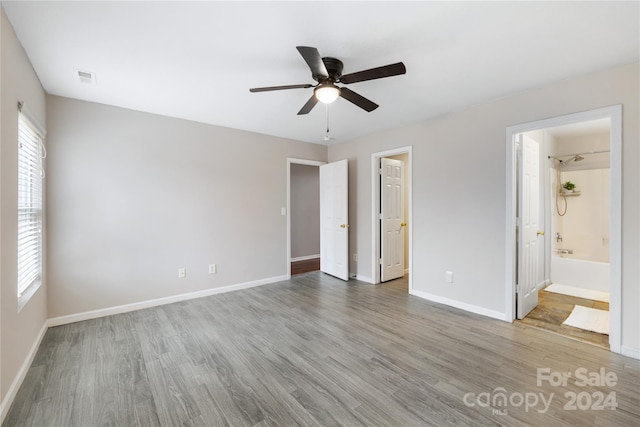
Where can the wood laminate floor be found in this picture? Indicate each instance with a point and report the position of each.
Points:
(305, 266)
(313, 351)
(553, 309)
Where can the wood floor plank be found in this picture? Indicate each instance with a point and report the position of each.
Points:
(312, 351)
(305, 266)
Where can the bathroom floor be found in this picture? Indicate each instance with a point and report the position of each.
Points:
(553, 309)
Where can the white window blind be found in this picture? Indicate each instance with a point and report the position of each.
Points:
(30, 176)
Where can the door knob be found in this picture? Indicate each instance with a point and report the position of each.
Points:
(344, 225)
(403, 224)
(540, 233)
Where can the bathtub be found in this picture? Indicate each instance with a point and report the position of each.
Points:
(580, 273)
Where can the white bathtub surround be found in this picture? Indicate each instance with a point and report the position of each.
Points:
(580, 274)
(578, 292)
(590, 319)
(584, 228)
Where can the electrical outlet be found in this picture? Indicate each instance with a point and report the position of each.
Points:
(213, 269)
(182, 273)
(448, 275)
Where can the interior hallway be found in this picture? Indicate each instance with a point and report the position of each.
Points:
(305, 266)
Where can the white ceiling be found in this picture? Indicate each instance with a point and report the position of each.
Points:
(591, 127)
(197, 60)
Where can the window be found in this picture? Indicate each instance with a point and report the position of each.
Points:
(30, 176)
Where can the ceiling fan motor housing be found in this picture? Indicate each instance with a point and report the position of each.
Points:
(334, 68)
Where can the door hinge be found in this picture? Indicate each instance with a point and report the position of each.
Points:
(518, 288)
(379, 216)
(380, 261)
(380, 171)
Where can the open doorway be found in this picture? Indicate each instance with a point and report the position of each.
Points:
(565, 212)
(391, 217)
(571, 266)
(303, 216)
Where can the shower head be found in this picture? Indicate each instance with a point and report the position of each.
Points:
(574, 158)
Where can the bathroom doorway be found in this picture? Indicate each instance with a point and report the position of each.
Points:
(566, 225)
(574, 204)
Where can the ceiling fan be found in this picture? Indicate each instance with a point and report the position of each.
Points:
(327, 72)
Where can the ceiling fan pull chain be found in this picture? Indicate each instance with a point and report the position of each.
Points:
(327, 115)
(327, 137)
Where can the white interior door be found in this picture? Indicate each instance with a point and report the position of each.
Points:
(529, 230)
(334, 215)
(392, 219)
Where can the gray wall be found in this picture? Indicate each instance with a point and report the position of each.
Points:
(18, 330)
(133, 197)
(459, 190)
(305, 210)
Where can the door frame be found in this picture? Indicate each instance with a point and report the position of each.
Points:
(614, 114)
(291, 161)
(375, 209)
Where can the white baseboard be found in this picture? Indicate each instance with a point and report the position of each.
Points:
(544, 284)
(22, 373)
(458, 304)
(630, 352)
(94, 314)
(305, 258)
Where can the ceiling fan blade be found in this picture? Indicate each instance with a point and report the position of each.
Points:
(314, 60)
(309, 105)
(375, 73)
(357, 99)
(268, 88)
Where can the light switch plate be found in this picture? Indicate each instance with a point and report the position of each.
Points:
(448, 275)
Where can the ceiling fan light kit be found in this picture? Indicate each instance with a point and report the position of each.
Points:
(327, 72)
(326, 93)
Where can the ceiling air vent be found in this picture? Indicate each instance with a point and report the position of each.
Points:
(86, 77)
